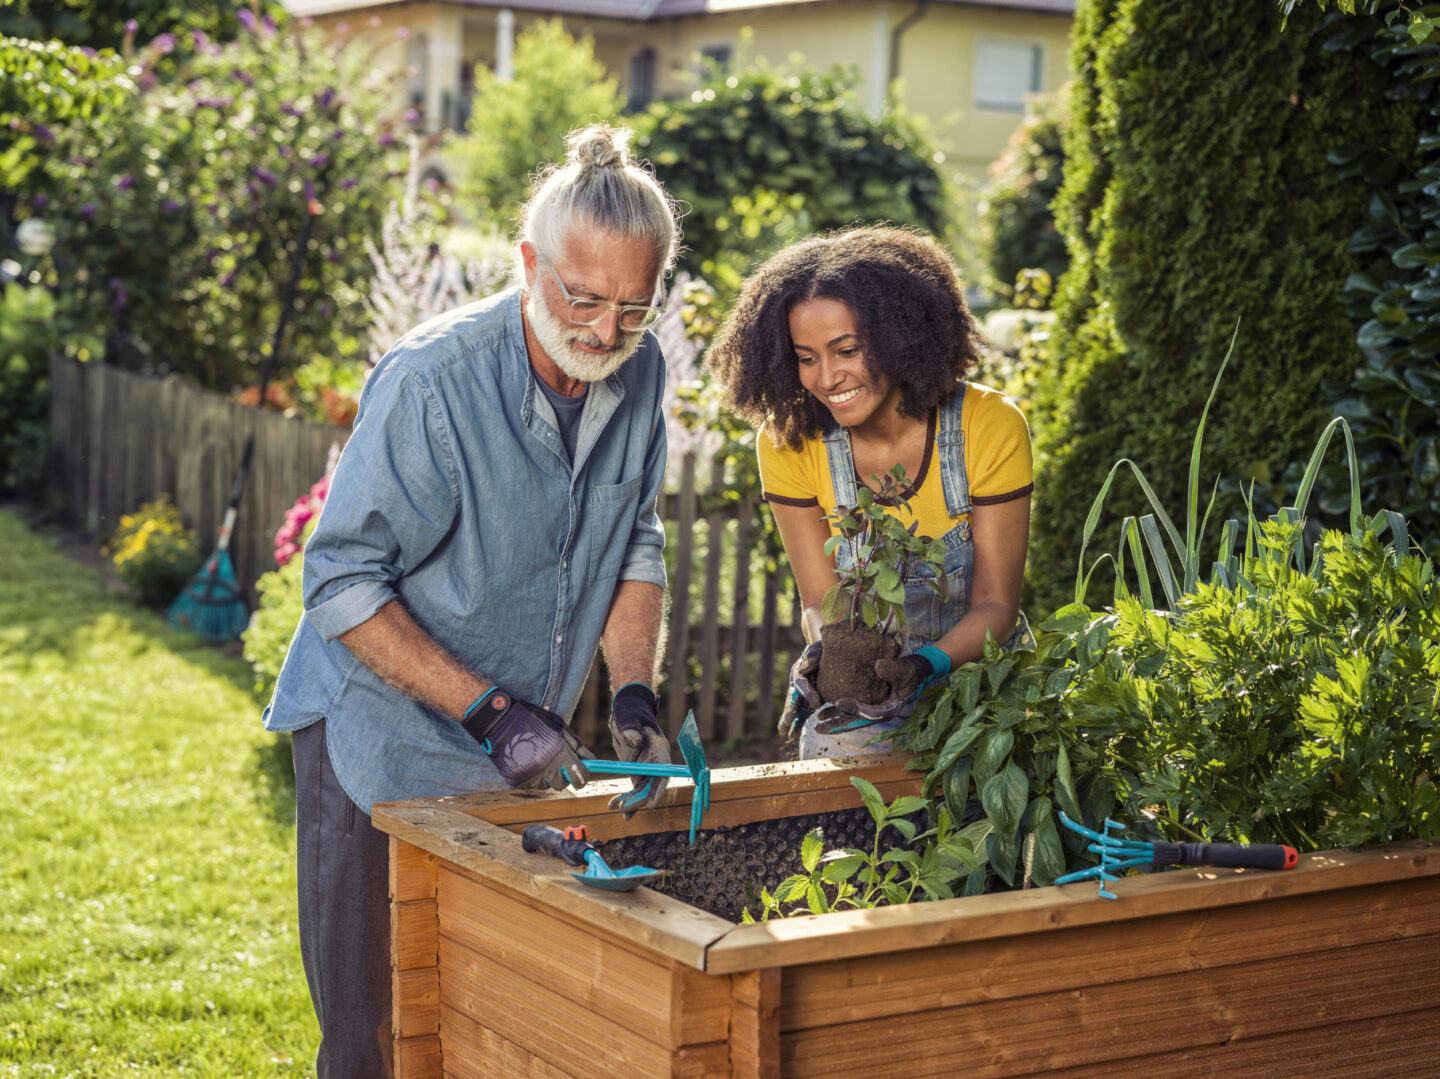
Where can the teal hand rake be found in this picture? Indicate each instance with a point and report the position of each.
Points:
(695, 769)
(1118, 854)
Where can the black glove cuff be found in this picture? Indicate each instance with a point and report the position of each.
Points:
(640, 691)
(483, 719)
(636, 704)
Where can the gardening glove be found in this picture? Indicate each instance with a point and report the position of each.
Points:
(907, 677)
(803, 698)
(636, 735)
(531, 746)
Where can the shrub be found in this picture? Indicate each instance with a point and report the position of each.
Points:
(1196, 184)
(558, 85)
(798, 131)
(1018, 227)
(178, 212)
(272, 626)
(107, 25)
(27, 337)
(153, 552)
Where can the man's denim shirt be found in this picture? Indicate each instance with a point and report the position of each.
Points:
(455, 495)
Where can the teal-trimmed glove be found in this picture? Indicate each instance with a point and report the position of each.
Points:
(636, 735)
(907, 677)
(802, 698)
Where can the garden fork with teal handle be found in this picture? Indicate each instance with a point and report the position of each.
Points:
(695, 769)
(1118, 853)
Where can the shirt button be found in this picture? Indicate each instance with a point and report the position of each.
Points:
(559, 637)
(564, 563)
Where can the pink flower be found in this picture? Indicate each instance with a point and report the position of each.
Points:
(285, 552)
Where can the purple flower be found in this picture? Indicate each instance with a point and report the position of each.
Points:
(327, 95)
(200, 39)
(387, 139)
(41, 132)
(171, 206)
(245, 77)
(332, 255)
(131, 26)
(269, 25)
(211, 255)
(147, 80)
(403, 33)
(289, 108)
(40, 201)
(125, 183)
(164, 43)
(219, 103)
(120, 297)
(265, 176)
(247, 19)
(411, 115)
(228, 279)
(347, 183)
(87, 211)
(88, 51)
(319, 161)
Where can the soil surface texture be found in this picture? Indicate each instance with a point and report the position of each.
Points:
(727, 867)
(847, 663)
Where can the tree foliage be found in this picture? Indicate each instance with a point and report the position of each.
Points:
(1197, 192)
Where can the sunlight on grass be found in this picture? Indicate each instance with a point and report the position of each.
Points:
(147, 843)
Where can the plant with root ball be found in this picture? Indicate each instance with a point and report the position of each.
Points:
(871, 591)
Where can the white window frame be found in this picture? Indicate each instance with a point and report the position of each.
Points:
(1037, 72)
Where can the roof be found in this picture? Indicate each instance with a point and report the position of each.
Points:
(650, 10)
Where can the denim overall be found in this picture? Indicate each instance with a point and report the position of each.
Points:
(928, 615)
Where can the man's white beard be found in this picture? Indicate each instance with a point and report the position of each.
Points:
(558, 339)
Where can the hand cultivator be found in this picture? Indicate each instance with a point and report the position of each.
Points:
(695, 768)
(573, 847)
(1118, 853)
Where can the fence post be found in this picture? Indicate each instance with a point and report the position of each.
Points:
(740, 619)
(677, 680)
(710, 629)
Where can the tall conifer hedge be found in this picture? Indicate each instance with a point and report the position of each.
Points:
(1197, 192)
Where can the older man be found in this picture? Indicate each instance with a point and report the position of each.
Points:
(491, 522)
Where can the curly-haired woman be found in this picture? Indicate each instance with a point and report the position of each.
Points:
(849, 352)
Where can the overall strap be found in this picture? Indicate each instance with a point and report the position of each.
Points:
(842, 467)
(950, 448)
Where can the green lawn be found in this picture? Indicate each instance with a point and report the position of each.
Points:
(147, 843)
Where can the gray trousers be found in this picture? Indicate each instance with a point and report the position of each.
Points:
(343, 869)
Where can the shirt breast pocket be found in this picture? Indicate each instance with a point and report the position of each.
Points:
(610, 513)
(606, 494)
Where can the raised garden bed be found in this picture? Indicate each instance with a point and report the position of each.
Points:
(504, 966)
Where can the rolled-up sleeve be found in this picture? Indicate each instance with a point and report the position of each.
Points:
(393, 499)
(645, 554)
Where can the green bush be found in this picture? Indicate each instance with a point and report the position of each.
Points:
(27, 337)
(1018, 226)
(153, 552)
(1197, 192)
(797, 131)
(520, 124)
(104, 25)
(272, 626)
(178, 211)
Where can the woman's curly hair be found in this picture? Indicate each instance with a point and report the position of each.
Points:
(909, 308)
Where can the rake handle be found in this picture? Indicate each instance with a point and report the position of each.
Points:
(1227, 855)
(543, 839)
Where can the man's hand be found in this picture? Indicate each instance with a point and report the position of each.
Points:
(803, 698)
(637, 736)
(531, 746)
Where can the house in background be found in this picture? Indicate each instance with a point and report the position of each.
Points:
(966, 65)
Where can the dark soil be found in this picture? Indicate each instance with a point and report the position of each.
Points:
(724, 871)
(847, 663)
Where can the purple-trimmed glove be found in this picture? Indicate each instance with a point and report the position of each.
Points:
(636, 734)
(529, 745)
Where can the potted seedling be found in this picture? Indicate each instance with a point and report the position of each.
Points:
(864, 614)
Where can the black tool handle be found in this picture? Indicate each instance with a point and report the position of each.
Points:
(1228, 855)
(543, 839)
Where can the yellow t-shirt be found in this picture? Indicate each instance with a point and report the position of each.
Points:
(997, 465)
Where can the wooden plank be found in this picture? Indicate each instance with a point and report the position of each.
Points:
(418, 1058)
(490, 854)
(532, 1015)
(594, 970)
(412, 872)
(1401, 1045)
(678, 654)
(414, 933)
(416, 997)
(791, 941)
(825, 994)
(755, 1026)
(710, 629)
(474, 1051)
(740, 620)
(766, 698)
(1108, 1023)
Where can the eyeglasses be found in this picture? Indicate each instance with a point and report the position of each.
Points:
(588, 312)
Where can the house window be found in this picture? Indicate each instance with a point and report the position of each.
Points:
(642, 78)
(1006, 71)
(716, 55)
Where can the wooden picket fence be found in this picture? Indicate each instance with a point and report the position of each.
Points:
(119, 439)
